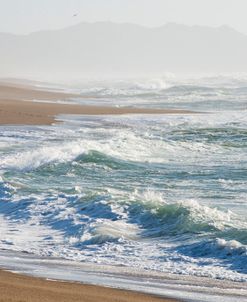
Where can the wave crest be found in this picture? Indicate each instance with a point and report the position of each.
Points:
(159, 218)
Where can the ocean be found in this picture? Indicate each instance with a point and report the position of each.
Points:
(160, 193)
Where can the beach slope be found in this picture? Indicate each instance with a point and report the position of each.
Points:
(19, 288)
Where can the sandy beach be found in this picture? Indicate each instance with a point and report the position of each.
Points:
(19, 288)
(17, 106)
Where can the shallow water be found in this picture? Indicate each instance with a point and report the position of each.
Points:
(160, 193)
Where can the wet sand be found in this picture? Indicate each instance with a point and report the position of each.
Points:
(19, 288)
(17, 106)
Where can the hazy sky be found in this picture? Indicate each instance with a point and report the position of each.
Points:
(23, 16)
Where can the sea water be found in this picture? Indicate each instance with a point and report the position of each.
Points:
(160, 193)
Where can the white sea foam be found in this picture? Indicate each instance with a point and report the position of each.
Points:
(232, 247)
(34, 158)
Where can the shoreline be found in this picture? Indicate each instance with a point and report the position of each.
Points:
(169, 287)
(17, 107)
(17, 287)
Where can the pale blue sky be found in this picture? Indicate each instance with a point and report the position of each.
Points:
(23, 16)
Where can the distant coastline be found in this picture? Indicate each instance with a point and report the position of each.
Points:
(17, 107)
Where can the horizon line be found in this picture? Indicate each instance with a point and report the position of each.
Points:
(126, 23)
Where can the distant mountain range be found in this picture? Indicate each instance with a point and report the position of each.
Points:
(106, 47)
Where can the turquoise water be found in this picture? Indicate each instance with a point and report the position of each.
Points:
(164, 193)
